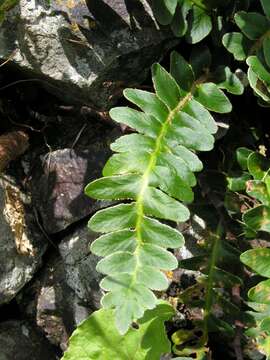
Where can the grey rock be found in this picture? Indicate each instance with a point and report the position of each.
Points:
(58, 183)
(84, 51)
(80, 265)
(66, 291)
(21, 242)
(20, 341)
(52, 305)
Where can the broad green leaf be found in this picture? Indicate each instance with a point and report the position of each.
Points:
(191, 159)
(179, 24)
(238, 183)
(259, 69)
(258, 166)
(266, 50)
(158, 204)
(200, 113)
(258, 86)
(181, 71)
(242, 155)
(121, 240)
(184, 128)
(114, 187)
(252, 24)
(113, 218)
(164, 10)
(260, 293)
(132, 141)
(166, 87)
(172, 184)
(258, 190)
(179, 166)
(199, 25)
(200, 59)
(210, 96)
(126, 162)
(265, 326)
(137, 120)
(225, 79)
(148, 102)
(258, 218)
(266, 7)
(160, 234)
(258, 260)
(98, 339)
(237, 44)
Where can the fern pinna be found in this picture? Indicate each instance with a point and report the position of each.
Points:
(153, 173)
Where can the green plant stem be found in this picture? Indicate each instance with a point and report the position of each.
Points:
(209, 289)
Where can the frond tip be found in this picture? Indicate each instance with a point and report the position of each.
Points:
(154, 170)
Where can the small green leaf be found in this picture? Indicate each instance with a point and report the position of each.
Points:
(98, 339)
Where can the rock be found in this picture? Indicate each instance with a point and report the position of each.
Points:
(58, 183)
(20, 341)
(67, 290)
(80, 265)
(84, 51)
(21, 243)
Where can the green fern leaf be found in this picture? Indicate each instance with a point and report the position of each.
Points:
(154, 170)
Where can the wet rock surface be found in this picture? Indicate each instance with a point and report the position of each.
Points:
(84, 51)
(21, 341)
(22, 244)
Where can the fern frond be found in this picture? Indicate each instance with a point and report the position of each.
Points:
(154, 171)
